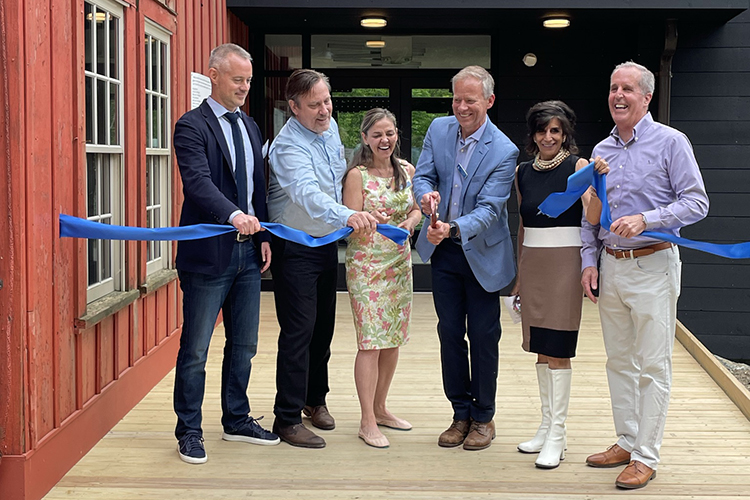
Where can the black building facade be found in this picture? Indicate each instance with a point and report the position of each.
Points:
(699, 50)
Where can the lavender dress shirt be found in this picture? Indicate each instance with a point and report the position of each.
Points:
(654, 174)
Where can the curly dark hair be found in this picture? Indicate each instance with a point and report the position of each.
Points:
(539, 116)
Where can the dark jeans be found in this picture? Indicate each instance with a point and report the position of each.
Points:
(460, 301)
(236, 293)
(304, 288)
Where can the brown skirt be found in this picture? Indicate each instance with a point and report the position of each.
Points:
(551, 300)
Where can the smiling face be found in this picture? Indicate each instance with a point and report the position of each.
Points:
(314, 108)
(381, 138)
(627, 102)
(469, 105)
(550, 140)
(230, 82)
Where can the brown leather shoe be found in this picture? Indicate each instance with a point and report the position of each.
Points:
(320, 417)
(455, 434)
(636, 475)
(612, 457)
(298, 435)
(480, 435)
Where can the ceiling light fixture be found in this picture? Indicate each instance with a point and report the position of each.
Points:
(556, 22)
(373, 22)
(375, 44)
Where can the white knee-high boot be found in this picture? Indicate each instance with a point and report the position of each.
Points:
(559, 395)
(534, 445)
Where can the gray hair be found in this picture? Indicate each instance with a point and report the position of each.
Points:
(219, 54)
(479, 73)
(647, 82)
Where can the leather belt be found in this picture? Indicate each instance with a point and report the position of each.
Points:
(243, 237)
(638, 252)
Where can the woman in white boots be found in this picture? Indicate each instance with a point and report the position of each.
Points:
(549, 268)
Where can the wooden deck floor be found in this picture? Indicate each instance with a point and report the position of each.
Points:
(705, 454)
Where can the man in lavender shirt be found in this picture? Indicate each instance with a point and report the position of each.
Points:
(654, 184)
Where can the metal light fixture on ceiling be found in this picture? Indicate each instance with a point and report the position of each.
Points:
(373, 22)
(375, 44)
(556, 22)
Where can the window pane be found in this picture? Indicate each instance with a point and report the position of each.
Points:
(147, 54)
(106, 185)
(114, 47)
(101, 44)
(106, 264)
(90, 110)
(410, 52)
(283, 52)
(156, 176)
(88, 22)
(114, 107)
(155, 56)
(101, 112)
(92, 187)
(164, 69)
(162, 121)
(94, 261)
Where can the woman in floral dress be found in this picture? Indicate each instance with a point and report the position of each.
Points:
(378, 271)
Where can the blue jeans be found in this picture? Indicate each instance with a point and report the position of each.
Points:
(236, 292)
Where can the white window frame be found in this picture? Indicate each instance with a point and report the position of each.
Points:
(158, 154)
(108, 156)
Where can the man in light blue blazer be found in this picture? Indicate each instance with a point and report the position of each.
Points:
(466, 170)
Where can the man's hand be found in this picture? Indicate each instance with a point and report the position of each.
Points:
(628, 226)
(590, 281)
(265, 256)
(426, 200)
(362, 222)
(246, 224)
(438, 233)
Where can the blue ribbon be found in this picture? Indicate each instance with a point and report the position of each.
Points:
(556, 203)
(75, 227)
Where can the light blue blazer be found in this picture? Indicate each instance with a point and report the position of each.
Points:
(485, 237)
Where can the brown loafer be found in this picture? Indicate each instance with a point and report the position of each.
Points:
(612, 457)
(320, 417)
(480, 435)
(455, 434)
(636, 475)
(298, 435)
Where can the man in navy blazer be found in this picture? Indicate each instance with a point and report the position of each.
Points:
(218, 150)
(466, 170)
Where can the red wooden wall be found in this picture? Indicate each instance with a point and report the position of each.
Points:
(61, 387)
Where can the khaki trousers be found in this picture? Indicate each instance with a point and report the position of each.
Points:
(638, 310)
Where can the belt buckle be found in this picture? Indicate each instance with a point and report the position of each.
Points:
(241, 238)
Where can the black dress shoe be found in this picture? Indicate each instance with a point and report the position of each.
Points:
(298, 435)
(320, 417)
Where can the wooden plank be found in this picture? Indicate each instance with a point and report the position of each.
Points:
(718, 300)
(122, 342)
(727, 275)
(149, 322)
(726, 83)
(13, 306)
(106, 350)
(161, 315)
(724, 108)
(39, 225)
(728, 382)
(704, 452)
(62, 168)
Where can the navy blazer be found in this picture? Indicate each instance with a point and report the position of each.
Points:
(485, 238)
(210, 188)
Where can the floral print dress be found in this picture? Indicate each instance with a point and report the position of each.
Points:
(378, 271)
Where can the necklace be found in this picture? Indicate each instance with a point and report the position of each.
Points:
(542, 165)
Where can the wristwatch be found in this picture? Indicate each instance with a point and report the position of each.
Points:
(455, 233)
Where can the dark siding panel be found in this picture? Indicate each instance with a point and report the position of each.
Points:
(710, 84)
(711, 108)
(711, 104)
(716, 59)
(726, 181)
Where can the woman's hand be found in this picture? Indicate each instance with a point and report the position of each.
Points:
(381, 216)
